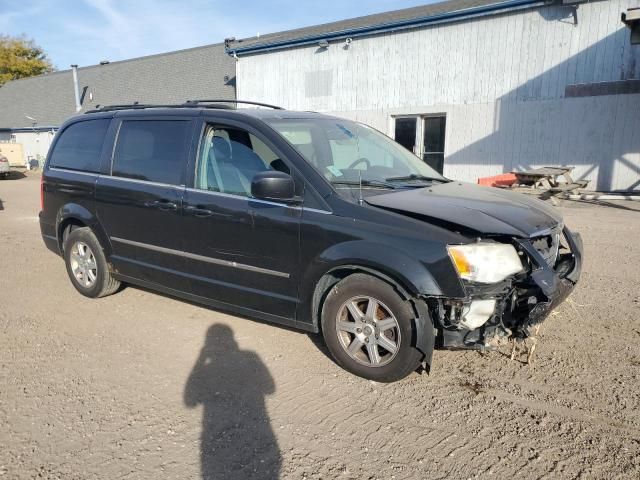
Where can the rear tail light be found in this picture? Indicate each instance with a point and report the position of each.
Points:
(41, 193)
(3, 160)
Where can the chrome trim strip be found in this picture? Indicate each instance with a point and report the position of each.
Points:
(241, 197)
(251, 199)
(204, 279)
(113, 148)
(201, 258)
(68, 170)
(50, 237)
(145, 182)
(195, 190)
(324, 212)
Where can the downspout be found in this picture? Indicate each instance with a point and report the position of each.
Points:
(76, 88)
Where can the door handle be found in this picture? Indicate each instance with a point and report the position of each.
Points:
(165, 205)
(198, 211)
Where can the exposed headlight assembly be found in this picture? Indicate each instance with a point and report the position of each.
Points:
(485, 262)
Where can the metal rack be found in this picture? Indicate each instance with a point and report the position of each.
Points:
(213, 104)
(244, 102)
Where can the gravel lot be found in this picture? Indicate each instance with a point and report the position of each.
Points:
(140, 385)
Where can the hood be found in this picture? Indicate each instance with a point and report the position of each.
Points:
(485, 210)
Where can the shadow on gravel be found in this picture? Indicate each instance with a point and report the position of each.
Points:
(318, 342)
(237, 440)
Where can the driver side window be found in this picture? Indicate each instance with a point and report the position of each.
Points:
(229, 159)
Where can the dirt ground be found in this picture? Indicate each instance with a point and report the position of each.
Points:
(140, 385)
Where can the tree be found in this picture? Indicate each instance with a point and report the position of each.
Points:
(20, 57)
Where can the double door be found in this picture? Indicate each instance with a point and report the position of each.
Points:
(424, 136)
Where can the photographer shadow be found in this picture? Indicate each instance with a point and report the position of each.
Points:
(237, 440)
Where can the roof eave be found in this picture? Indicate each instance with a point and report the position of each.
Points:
(44, 128)
(453, 16)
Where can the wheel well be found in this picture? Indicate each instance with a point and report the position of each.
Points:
(66, 227)
(329, 279)
(423, 324)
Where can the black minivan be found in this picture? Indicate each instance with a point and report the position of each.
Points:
(306, 220)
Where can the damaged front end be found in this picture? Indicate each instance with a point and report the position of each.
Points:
(513, 307)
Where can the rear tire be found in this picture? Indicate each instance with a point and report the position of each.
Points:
(369, 330)
(87, 265)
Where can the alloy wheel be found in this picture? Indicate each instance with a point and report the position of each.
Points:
(368, 331)
(83, 264)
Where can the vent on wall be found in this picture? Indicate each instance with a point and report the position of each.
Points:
(318, 83)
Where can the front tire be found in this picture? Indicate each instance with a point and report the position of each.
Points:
(369, 329)
(87, 265)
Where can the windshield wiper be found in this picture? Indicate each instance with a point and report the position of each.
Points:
(414, 176)
(365, 183)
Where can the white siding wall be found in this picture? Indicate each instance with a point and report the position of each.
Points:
(501, 81)
(35, 144)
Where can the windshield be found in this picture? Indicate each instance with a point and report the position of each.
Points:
(346, 152)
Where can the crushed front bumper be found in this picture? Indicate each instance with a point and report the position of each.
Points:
(521, 303)
(556, 283)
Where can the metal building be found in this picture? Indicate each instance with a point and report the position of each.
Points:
(32, 109)
(475, 87)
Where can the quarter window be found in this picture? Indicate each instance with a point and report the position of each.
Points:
(152, 150)
(80, 145)
(230, 158)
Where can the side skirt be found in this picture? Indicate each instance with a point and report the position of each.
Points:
(226, 307)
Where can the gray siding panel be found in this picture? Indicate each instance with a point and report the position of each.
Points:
(167, 78)
(501, 81)
(528, 55)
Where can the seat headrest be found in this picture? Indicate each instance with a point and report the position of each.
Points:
(221, 148)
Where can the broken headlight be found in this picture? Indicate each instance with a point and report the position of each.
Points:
(485, 262)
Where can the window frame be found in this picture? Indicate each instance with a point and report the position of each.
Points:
(424, 153)
(186, 152)
(223, 123)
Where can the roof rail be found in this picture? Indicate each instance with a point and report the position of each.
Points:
(218, 103)
(141, 106)
(244, 102)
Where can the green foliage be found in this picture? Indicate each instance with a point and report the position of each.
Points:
(20, 58)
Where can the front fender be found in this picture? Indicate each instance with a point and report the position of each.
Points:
(409, 272)
(413, 276)
(410, 276)
(79, 213)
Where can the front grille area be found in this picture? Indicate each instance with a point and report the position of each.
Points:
(547, 245)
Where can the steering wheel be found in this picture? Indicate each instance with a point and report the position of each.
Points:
(360, 160)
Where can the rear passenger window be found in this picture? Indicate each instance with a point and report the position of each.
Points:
(151, 150)
(80, 145)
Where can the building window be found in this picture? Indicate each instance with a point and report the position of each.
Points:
(424, 136)
(433, 142)
(405, 134)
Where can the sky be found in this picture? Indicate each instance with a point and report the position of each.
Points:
(85, 32)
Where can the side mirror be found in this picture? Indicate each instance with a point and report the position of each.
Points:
(273, 185)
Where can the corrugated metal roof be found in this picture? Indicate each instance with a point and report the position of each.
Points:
(365, 22)
(165, 78)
